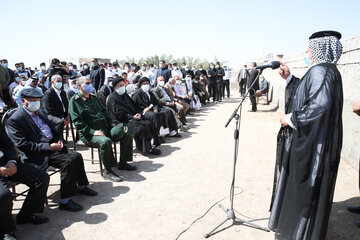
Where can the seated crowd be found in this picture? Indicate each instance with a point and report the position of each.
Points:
(106, 104)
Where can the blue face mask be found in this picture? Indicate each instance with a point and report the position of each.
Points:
(134, 68)
(307, 60)
(17, 79)
(89, 88)
(20, 68)
(92, 64)
(6, 65)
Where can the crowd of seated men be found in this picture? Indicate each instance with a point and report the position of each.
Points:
(105, 105)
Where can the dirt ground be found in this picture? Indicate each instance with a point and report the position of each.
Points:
(169, 192)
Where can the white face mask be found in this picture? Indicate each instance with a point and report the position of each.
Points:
(33, 106)
(43, 68)
(74, 86)
(110, 69)
(178, 81)
(200, 69)
(121, 90)
(58, 85)
(71, 68)
(143, 68)
(126, 69)
(86, 67)
(161, 83)
(175, 68)
(145, 87)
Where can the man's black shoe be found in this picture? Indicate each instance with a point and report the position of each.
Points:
(354, 209)
(70, 206)
(357, 224)
(177, 135)
(110, 175)
(88, 191)
(126, 166)
(31, 218)
(252, 110)
(155, 151)
(9, 236)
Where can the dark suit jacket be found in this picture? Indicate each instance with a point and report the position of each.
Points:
(252, 76)
(143, 101)
(53, 104)
(32, 144)
(6, 147)
(97, 77)
(160, 96)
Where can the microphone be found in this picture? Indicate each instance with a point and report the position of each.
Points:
(272, 65)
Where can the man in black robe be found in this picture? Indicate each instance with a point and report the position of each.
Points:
(162, 118)
(122, 109)
(309, 144)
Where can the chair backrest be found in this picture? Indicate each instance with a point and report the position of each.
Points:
(4, 120)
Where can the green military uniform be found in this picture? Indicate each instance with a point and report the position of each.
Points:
(89, 115)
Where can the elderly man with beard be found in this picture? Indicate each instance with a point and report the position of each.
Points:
(309, 143)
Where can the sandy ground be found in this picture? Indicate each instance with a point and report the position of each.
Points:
(169, 192)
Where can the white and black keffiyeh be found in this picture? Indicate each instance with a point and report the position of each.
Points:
(326, 49)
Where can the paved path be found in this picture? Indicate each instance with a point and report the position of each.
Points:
(167, 193)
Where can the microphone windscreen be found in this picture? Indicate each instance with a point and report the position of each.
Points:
(275, 64)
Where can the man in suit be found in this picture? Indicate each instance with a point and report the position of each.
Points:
(41, 145)
(213, 75)
(253, 87)
(96, 129)
(163, 119)
(97, 74)
(56, 104)
(163, 71)
(242, 79)
(166, 101)
(219, 81)
(13, 170)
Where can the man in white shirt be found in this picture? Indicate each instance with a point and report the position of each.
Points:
(176, 71)
(226, 82)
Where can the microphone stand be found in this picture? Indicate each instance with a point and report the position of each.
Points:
(230, 213)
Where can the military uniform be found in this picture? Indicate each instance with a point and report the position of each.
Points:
(88, 116)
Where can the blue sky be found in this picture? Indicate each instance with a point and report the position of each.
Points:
(237, 31)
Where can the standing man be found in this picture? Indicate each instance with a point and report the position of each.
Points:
(253, 87)
(56, 104)
(310, 141)
(219, 81)
(226, 85)
(163, 71)
(97, 74)
(242, 79)
(212, 74)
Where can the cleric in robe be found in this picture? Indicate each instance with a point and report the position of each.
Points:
(122, 109)
(309, 144)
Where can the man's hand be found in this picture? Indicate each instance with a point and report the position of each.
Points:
(190, 95)
(56, 146)
(284, 71)
(356, 107)
(99, 133)
(282, 121)
(12, 169)
(4, 172)
(137, 116)
(171, 104)
(156, 111)
(66, 121)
